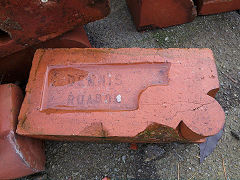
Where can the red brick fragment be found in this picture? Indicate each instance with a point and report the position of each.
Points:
(133, 146)
(128, 95)
(19, 156)
(206, 7)
(28, 22)
(16, 67)
(148, 14)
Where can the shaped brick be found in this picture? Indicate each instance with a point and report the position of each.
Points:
(149, 14)
(16, 67)
(28, 22)
(206, 7)
(128, 95)
(19, 156)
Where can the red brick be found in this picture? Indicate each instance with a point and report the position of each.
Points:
(206, 7)
(16, 67)
(129, 95)
(30, 22)
(148, 14)
(20, 156)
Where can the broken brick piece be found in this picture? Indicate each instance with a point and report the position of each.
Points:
(206, 7)
(16, 67)
(149, 14)
(29, 22)
(133, 146)
(19, 156)
(129, 95)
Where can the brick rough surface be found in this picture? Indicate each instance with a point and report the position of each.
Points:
(16, 67)
(30, 22)
(19, 156)
(206, 7)
(148, 14)
(128, 95)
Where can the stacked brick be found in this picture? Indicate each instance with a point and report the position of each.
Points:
(124, 95)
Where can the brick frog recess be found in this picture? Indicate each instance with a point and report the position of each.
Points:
(19, 156)
(129, 95)
(27, 22)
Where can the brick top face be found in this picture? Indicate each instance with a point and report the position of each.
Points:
(121, 93)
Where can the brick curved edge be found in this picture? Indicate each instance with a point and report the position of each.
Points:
(202, 127)
(187, 98)
(20, 156)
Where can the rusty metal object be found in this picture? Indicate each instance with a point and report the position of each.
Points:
(19, 156)
(206, 7)
(16, 67)
(28, 22)
(128, 95)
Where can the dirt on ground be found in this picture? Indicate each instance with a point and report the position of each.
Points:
(221, 33)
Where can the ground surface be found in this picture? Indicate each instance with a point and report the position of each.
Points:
(221, 33)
